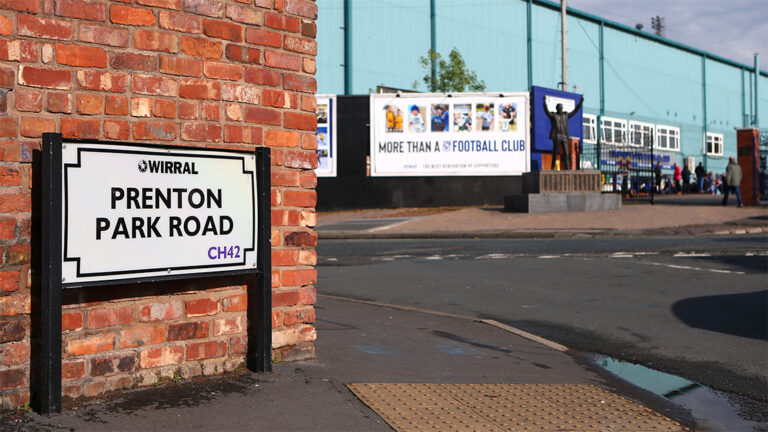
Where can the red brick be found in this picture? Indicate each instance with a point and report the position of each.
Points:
(308, 103)
(224, 71)
(308, 179)
(299, 277)
(31, 6)
(299, 198)
(284, 177)
(180, 22)
(305, 8)
(273, 98)
(201, 307)
(141, 107)
(285, 217)
(242, 134)
(164, 311)
(235, 303)
(275, 281)
(6, 26)
(27, 100)
(300, 83)
(300, 159)
(211, 8)
(104, 36)
(163, 131)
(88, 104)
(299, 316)
(8, 224)
(134, 61)
(188, 330)
(223, 30)
(116, 105)
(167, 4)
(278, 138)
(282, 60)
(262, 3)
(301, 121)
(232, 112)
(225, 326)
(71, 321)
(92, 11)
(302, 45)
(263, 76)
(201, 132)
(277, 319)
(102, 81)
(34, 127)
(47, 78)
(13, 378)
(154, 85)
(263, 115)
(108, 317)
(200, 89)
(75, 55)
(9, 281)
(309, 29)
(188, 110)
(120, 14)
(263, 37)
(59, 103)
(156, 41)
(76, 128)
(210, 111)
(18, 254)
(19, 50)
(15, 202)
(285, 257)
(244, 14)
(7, 79)
(165, 108)
(243, 54)
(72, 370)
(164, 356)
(240, 93)
(13, 330)
(44, 27)
(281, 22)
(14, 305)
(142, 336)
(206, 350)
(301, 238)
(181, 66)
(237, 345)
(307, 257)
(309, 66)
(201, 47)
(285, 298)
(89, 344)
(117, 129)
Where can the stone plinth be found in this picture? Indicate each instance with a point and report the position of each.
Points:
(561, 191)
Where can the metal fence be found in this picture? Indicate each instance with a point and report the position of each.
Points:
(627, 170)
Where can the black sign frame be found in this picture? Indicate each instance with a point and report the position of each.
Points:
(258, 280)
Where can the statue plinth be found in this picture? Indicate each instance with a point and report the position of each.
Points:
(561, 191)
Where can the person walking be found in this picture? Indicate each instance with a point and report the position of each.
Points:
(657, 173)
(677, 176)
(732, 182)
(686, 178)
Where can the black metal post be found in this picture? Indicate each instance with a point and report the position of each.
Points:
(48, 398)
(259, 357)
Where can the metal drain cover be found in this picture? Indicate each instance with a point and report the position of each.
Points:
(507, 407)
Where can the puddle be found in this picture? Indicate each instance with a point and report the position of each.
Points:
(720, 410)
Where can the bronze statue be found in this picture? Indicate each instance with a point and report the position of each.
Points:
(559, 131)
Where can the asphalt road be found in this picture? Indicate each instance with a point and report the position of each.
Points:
(692, 306)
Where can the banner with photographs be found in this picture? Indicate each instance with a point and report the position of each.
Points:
(465, 134)
(326, 136)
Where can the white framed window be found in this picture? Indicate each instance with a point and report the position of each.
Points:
(589, 123)
(713, 144)
(640, 134)
(667, 138)
(614, 131)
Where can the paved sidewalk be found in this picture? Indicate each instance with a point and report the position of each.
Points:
(362, 343)
(694, 214)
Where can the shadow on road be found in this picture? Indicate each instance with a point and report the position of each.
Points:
(744, 314)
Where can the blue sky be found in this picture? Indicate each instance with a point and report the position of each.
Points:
(735, 29)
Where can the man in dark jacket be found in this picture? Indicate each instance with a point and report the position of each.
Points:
(686, 178)
(657, 172)
(732, 181)
(701, 174)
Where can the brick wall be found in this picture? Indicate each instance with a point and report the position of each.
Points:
(213, 73)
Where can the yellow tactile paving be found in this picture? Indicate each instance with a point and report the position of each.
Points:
(507, 407)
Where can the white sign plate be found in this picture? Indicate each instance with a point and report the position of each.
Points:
(462, 134)
(137, 212)
(326, 136)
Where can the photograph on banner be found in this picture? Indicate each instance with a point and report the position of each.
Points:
(467, 134)
(326, 136)
(484, 117)
(416, 119)
(552, 101)
(462, 117)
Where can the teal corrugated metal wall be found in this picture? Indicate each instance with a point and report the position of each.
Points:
(644, 79)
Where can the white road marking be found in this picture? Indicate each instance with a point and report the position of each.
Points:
(494, 256)
(434, 257)
(686, 255)
(682, 267)
(548, 256)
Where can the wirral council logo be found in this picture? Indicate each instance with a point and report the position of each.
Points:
(143, 165)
